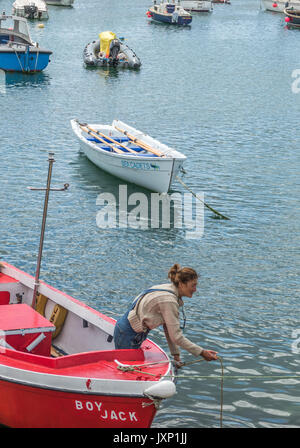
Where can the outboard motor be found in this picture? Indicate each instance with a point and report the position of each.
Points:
(114, 50)
(30, 11)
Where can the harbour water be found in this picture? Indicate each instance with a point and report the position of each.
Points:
(224, 92)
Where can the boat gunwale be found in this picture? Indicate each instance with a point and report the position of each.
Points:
(81, 392)
(165, 158)
(4, 48)
(286, 12)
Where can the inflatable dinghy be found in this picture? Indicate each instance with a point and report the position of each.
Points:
(108, 50)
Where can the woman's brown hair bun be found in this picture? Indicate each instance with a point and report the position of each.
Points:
(178, 274)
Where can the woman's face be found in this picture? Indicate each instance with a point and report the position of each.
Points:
(187, 289)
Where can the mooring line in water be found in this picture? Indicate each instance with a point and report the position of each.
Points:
(133, 368)
(206, 205)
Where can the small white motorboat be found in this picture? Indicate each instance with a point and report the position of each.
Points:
(129, 154)
(30, 9)
(195, 6)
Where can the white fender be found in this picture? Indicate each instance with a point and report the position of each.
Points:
(163, 389)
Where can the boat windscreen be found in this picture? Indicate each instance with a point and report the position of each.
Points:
(10, 24)
(21, 27)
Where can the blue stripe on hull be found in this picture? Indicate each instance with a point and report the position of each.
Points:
(23, 62)
(168, 19)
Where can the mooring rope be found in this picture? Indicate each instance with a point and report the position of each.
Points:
(135, 368)
(220, 215)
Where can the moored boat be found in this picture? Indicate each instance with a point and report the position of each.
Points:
(280, 5)
(59, 368)
(225, 2)
(129, 154)
(110, 51)
(18, 53)
(170, 13)
(60, 2)
(30, 9)
(292, 17)
(195, 6)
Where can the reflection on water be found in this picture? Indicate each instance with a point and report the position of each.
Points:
(214, 92)
(17, 79)
(2, 81)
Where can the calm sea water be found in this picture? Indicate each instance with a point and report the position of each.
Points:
(220, 92)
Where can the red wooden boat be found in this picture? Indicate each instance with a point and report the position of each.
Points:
(59, 368)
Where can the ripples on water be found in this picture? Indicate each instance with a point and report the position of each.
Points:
(220, 91)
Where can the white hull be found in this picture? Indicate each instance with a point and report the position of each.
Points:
(60, 2)
(197, 6)
(30, 9)
(278, 6)
(153, 173)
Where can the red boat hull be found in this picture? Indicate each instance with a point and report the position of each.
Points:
(82, 381)
(23, 407)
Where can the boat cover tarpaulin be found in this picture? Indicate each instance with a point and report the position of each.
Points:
(105, 39)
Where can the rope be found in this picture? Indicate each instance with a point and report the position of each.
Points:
(135, 368)
(19, 60)
(36, 60)
(206, 205)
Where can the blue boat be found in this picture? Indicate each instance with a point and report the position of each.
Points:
(17, 51)
(172, 13)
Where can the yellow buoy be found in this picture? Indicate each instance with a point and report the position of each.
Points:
(41, 25)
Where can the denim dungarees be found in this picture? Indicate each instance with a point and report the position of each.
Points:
(124, 335)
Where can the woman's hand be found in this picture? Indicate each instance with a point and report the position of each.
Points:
(209, 355)
(177, 361)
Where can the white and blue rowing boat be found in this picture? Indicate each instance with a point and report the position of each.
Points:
(129, 154)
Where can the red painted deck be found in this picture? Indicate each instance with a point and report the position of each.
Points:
(98, 364)
(6, 279)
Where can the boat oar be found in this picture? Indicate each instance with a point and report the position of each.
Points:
(90, 132)
(206, 205)
(140, 143)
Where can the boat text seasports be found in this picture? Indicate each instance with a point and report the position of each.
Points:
(106, 414)
(140, 165)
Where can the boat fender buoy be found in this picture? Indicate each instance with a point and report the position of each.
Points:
(274, 5)
(163, 389)
(287, 19)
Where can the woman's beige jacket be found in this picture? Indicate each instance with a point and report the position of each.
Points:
(162, 308)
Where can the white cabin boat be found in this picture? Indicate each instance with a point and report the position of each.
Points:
(129, 154)
(196, 6)
(30, 9)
